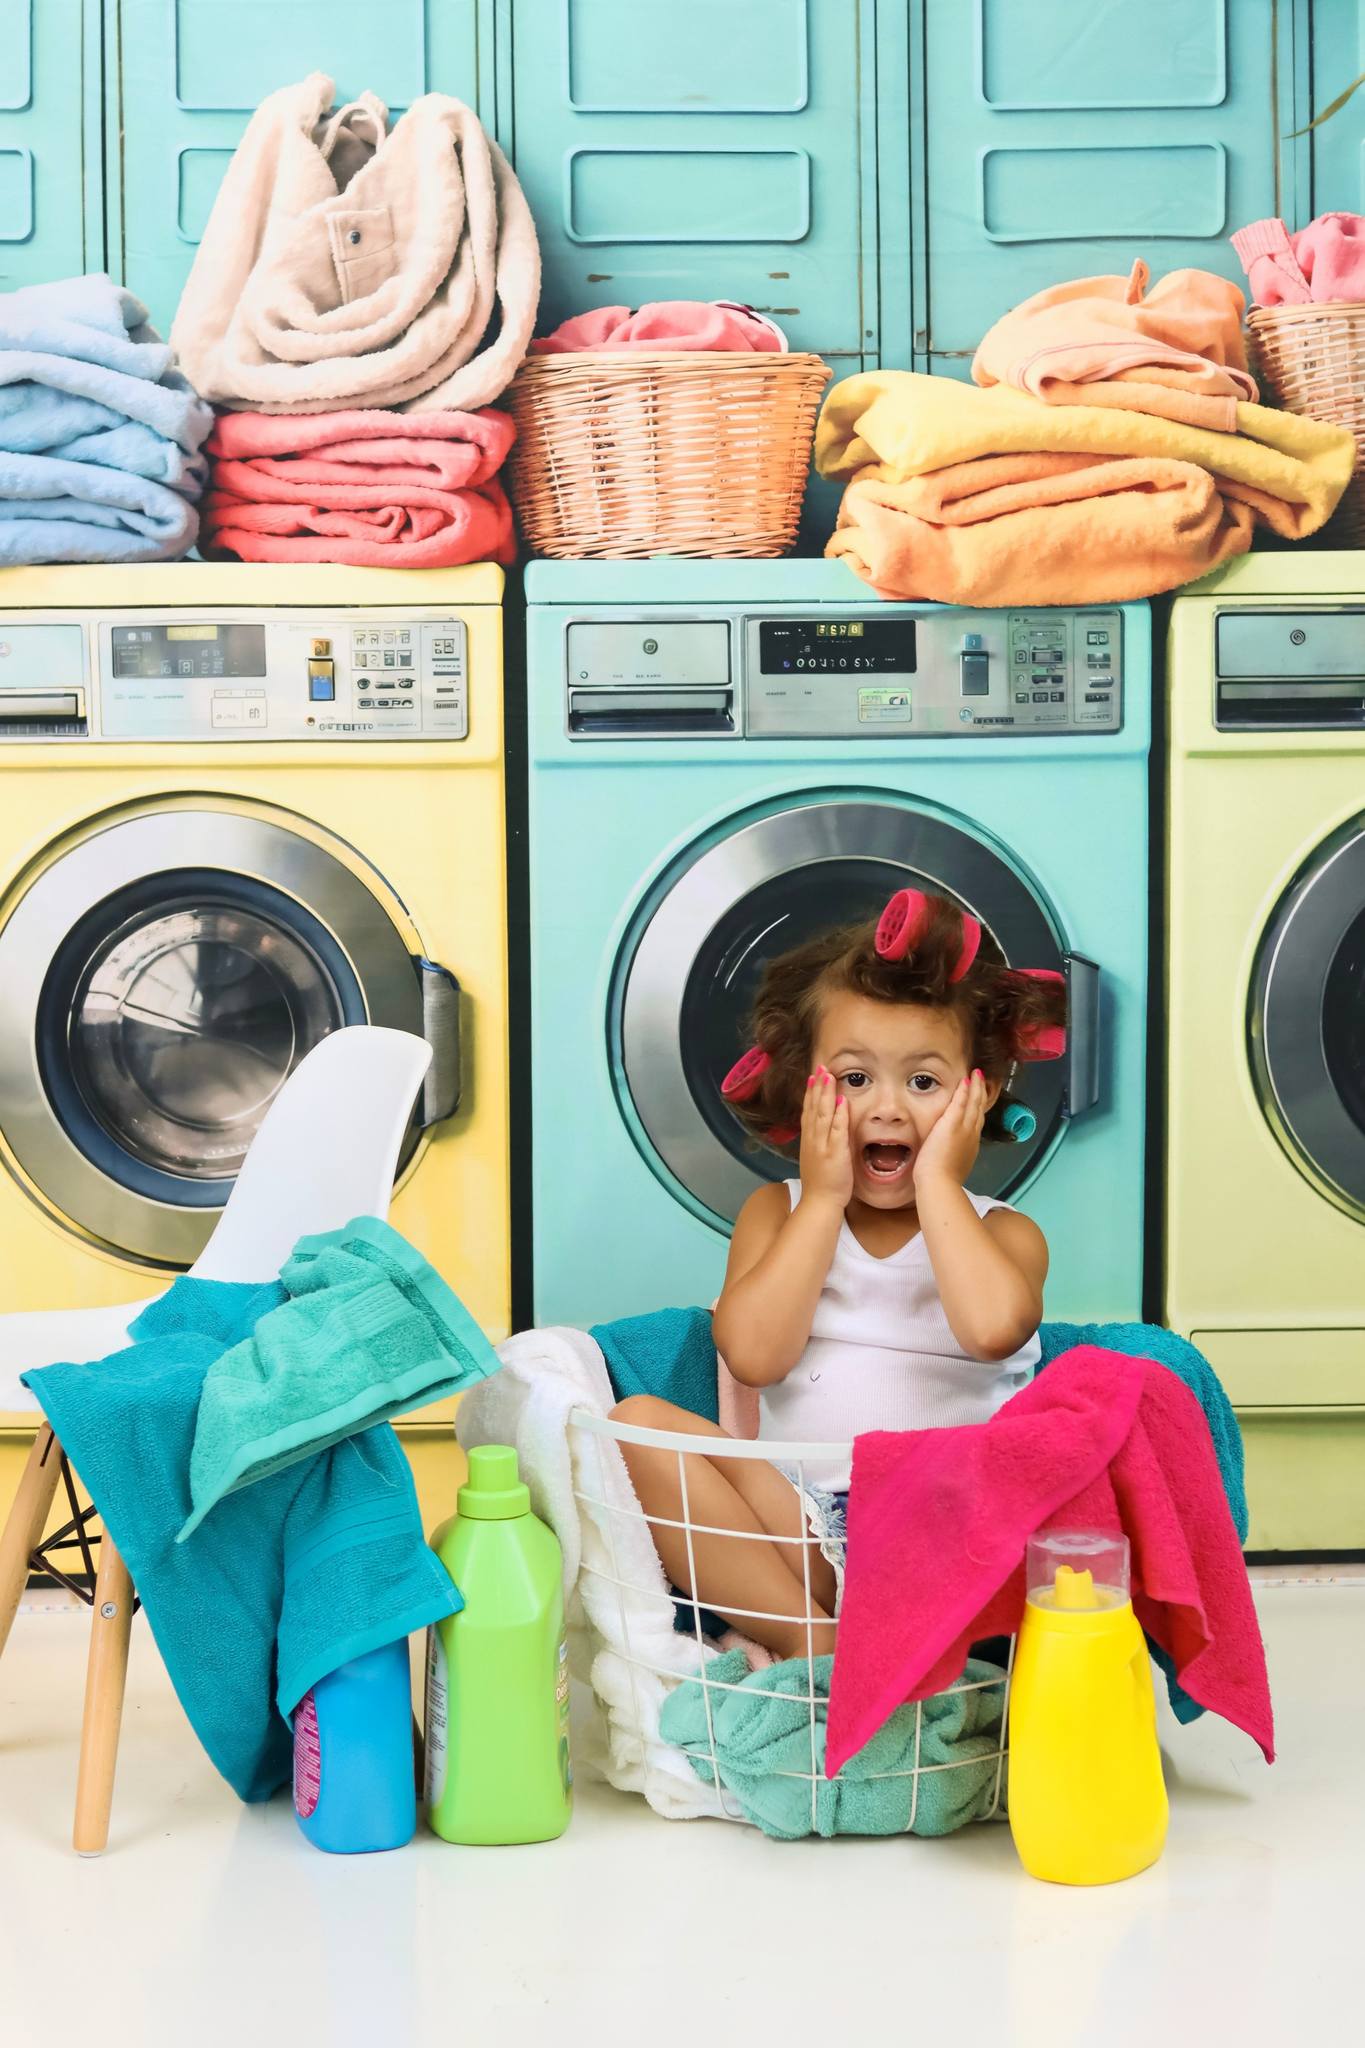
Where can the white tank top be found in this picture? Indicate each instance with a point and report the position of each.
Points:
(881, 1355)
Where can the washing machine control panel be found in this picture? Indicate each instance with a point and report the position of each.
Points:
(933, 674)
(231, 675)
(834, 671)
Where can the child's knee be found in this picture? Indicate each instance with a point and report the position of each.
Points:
(643, 1411)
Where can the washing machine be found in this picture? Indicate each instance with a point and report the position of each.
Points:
(726, 757)
(1265, 1175)
(240, 807)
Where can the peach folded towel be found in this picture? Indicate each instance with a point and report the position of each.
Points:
(991, 497)
(372, 489)
(1177, 353)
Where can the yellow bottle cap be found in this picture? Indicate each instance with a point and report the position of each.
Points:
(1074, 1590)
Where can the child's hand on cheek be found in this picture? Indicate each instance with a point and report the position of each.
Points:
(949, 1152)
(826, 1156)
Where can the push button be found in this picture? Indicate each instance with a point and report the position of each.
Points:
(322, 647)
(322, 687)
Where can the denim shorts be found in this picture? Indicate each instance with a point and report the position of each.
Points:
(827, 1520)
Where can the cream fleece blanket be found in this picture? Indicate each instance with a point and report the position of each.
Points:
(347, 265)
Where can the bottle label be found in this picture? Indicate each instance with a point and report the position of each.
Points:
(437, 1718)
(307, 1757)
(562, 1702)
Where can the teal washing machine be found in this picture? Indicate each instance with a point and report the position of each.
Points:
(727, 756)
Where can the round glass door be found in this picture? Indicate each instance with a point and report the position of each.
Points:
(1306, 1026)
(161, 976)
(183, 1021)
(689, 970)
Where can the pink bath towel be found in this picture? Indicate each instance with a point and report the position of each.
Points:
(667, 324)
(1323, 262)
(938, 1521)
(373, 489)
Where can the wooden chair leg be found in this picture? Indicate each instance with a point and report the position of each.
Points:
(106, 1675)
(27, 1520)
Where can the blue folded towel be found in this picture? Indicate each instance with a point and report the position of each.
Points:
(669, 1353)
(292, 1576)
(100, 435)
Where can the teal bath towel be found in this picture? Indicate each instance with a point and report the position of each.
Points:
(292, 1575)
(669, 1353)
(1149, 1340)
(762, 1736)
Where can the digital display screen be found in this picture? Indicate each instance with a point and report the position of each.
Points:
(190, 651)
(879, 647)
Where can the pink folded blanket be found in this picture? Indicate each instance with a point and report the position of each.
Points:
(372, 489)
(938, 1521)
(1322, 262)
(667, 324)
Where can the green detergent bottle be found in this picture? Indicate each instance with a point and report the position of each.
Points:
(497, 1694)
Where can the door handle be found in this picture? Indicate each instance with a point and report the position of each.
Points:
(441, 999)
(1081, 1087)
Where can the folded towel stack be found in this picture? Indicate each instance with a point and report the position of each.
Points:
(100, 436)
(1112, 452)
(358, 298)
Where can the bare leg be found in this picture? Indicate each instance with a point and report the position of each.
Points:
(757, 1585)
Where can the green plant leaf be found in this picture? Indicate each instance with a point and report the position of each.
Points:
(1335, 108)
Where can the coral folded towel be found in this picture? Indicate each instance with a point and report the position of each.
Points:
(938, 1522)
(667, 324)
(992, 497)
(374, 489)
(344, 264)
(1322, 262)
(1178, 352)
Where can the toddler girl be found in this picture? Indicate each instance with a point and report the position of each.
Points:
(873, 1292)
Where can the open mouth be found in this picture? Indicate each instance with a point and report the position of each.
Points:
(886, 1162)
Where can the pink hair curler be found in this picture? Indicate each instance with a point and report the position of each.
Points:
(1041, 1041)
(783, 1134)
(746, 1075)
(902, 923)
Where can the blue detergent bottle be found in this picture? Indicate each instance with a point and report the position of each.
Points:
(355, 1787)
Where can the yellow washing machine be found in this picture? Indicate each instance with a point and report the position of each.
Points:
(1265, 1194)
(240, 807)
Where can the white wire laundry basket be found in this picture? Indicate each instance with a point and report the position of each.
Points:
(627, 1586)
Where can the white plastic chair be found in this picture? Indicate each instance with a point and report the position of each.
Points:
(327, 1150)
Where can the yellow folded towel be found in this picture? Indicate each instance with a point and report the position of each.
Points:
(964, 496)
(913, 424)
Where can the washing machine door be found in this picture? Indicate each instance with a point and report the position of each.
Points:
(161, 974)
(1306, 1022)
(689, 968)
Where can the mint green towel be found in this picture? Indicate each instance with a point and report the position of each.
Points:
(763, 1736)
(314, 1562)
(369, 1331)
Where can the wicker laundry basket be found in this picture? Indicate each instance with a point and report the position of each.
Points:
(629, 452)
(1312, 360)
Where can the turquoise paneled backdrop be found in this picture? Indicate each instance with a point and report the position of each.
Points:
(886, 176)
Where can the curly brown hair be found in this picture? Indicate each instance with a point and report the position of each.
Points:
(1002, 1011)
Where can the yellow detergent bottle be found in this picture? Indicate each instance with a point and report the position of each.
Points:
(1087, 1802)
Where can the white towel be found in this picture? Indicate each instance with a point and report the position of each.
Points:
(345, 264)
(612, 1573)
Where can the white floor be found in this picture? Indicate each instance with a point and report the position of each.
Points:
(210, 1923)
